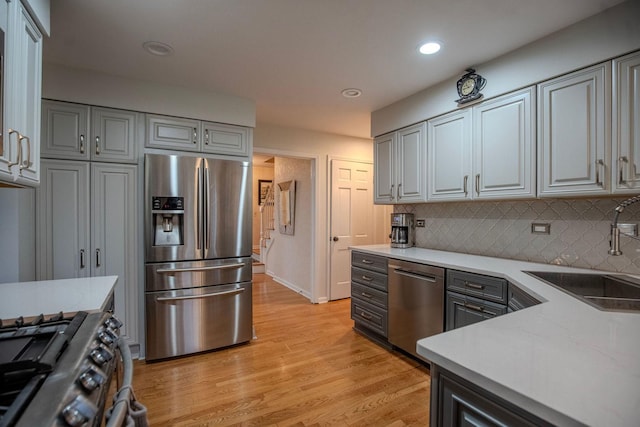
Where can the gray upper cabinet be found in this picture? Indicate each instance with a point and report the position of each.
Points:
(573, 133)
(173, 133)
(400, 161)
(626, 125)
(79, 132)
(226, 139)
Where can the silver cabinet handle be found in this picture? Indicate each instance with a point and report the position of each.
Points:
(473, 286)
(206, 136)
(473, 307)
(367, 278)
(82, 261)
(195, 135)
(399, 197)
(621, 161)
(366, 261)
(365, 315)
(599, 163)
(195, 269)
(366, 295)
(97, 145)
(24, 164)
(391, 193)
(478, 184)
(215, 294)
(81, 144)
(464, 184)
(18, 151)
(98, 261)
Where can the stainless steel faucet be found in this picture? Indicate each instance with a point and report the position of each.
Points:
(614, 244)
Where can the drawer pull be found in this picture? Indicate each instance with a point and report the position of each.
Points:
(366, 261)
(367, 278)
(365, 315)
(473, 307)
(366, 295)
(473, 286)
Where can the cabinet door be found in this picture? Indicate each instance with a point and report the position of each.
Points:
(114, 236)
(23, 83)
(384, 169)
(411, 176)
(173, 133)
(626, 125)
(449, 141)
(65, 130)
(463, 310)
(573, 133)
(226, 139)
(113, 135)
(62, 224)
(504, 161)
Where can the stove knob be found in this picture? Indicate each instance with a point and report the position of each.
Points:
(108, 337)
(113, 323)
(79, 411)
(91, 379)
(101, 355)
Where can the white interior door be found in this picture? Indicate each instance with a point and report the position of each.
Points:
(352, 219)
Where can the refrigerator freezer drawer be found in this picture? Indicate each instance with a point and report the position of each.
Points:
(181, 275)
(193, 320)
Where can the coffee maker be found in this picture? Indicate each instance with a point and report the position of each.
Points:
(402, 230)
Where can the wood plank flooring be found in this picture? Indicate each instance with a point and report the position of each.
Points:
(307, 367)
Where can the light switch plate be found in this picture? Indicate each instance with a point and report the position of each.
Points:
(540, 228)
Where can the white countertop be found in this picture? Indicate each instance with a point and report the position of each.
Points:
(562, 360)
(52, 296)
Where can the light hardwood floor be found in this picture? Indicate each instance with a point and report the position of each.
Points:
(307, 367)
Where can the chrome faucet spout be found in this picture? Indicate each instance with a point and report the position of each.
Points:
(614, 242)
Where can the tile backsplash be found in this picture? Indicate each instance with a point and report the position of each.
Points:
(579, 236)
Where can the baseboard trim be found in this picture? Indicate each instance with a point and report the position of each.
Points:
(290, 285)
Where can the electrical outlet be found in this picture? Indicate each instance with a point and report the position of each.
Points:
(540, 228)
(629, 229)
(419, 222)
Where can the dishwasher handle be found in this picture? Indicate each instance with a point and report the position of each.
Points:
(416, 275)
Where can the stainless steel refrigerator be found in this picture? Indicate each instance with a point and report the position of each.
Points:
(197, 254)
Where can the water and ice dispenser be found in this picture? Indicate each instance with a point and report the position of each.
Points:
(402, 230)
(168, 221)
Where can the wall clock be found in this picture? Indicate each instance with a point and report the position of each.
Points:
(469, 86)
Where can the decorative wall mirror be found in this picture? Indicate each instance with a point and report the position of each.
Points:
(286, 207)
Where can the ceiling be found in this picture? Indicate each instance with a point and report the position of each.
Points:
(293, 57)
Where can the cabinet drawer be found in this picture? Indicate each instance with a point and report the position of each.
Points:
(369, 278)
(370, 316)
(519, 299)
(477, 285)
(370, 262)
(368, 294)
(464, 310)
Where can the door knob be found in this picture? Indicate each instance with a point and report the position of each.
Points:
(335, 239)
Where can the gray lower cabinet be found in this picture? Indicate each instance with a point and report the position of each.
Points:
(457, 402)
(519, 299)
(464, 310)
(369, 300)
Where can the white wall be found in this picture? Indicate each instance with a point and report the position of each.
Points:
(612, 33)
(293, 142)
(88, 87)
(289, 260)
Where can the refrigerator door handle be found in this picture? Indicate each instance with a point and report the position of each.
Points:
(199, 209)
(232, 292)
(193, 269)
(205, 194)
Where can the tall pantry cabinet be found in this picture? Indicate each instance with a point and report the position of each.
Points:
(88, 208)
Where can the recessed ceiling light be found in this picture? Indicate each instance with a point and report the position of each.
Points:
(351, 93)
(429, 48)
(157, 48)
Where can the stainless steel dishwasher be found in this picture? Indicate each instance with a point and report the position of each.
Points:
(416, 303)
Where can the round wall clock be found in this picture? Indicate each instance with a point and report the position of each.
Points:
(469, 86)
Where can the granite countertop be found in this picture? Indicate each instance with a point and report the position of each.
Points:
(562, 360)
(52, 296)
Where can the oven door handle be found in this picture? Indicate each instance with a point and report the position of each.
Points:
(120, 409)
(216, 294)
(195, 269)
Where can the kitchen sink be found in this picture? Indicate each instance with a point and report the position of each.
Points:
(603, 291)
